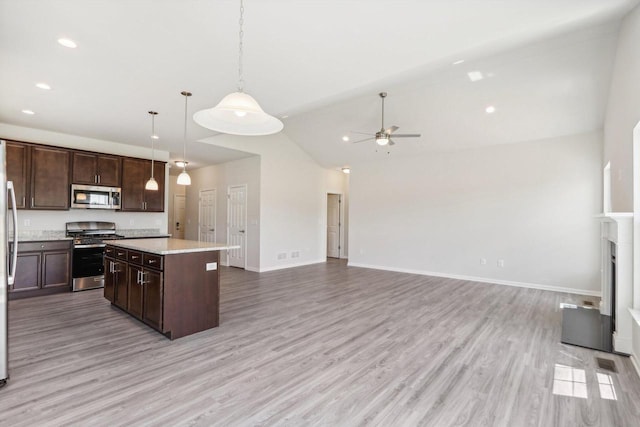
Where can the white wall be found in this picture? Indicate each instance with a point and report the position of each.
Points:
(220, 177)
(623, 113)
(31, 220)
(293, 200)
(529, 204)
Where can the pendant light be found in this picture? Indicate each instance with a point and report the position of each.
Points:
(184, 178)
(152, 184)
(238, 113)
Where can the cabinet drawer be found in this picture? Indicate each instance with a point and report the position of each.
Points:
(153, 261)
(54, 245)
(121, 254)
(110, 251)
(135, 257)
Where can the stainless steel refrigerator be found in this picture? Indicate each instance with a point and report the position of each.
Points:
(6, 276)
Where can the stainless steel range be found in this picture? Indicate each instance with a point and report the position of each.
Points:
(88, 252)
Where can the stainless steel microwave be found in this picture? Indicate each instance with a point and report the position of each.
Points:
(95, 197)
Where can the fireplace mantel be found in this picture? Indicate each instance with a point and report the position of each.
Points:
(617, 227)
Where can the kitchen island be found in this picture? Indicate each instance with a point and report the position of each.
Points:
(170, 284)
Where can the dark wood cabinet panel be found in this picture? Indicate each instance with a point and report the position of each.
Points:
(85, 166)
(95, 169)
(154, 200)
(43, 268)
(135, 291)
(55, 269)
(109, 170)
(121, 298)
(50, 169)
(153, 291)
(109, 278)
(27, 272)
(135, 174)
(18, 172)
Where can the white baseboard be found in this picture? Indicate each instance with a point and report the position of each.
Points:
(298, 264)
(481, 279)
(634, 362)
(622, 344)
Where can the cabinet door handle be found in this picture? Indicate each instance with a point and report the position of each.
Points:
(152, 261)
(138, 276)
(99, 179)
(142, 277)
(134, 256)
(33, 203)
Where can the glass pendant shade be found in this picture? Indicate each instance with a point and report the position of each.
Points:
(184, 178)
(238, 114)
(152, 184)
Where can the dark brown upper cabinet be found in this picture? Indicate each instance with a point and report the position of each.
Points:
(135, 174)
(96, 169)
(50, 173)
(18, 172)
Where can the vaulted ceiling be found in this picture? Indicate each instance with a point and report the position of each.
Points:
(545, 64)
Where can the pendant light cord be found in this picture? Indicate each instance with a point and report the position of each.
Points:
(240, 48)
(184, 145)
(153, 135)
(186, 95)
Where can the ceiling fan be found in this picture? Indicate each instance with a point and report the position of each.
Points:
(383, 136)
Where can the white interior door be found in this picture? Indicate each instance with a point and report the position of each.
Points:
(207, 216)
(237, 224)
(178, 216)
(333, 225)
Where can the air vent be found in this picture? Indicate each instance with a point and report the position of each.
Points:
(606, 364)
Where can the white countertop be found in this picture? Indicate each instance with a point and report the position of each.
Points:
(164, 246)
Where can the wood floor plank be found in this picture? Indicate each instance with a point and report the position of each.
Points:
(319, 345)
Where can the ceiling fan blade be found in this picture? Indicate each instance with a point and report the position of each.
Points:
(392, 129)
(407, 135)
(363, 140)
(391, 142)
(360, 133)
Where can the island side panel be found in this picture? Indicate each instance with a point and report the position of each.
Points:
(191, 293)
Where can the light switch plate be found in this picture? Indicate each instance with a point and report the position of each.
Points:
(212, 266)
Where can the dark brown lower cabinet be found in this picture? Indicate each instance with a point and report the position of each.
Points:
(42, 268)
(176, 294)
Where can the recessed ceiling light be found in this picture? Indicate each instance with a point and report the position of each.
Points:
(346, 170)
(490, 109)
(345, 138)
(458, 62)
(43, 86)
(67, 43)
(29, 112)
(474, 76)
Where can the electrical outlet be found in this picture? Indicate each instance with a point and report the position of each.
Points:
(282, 255)
(295, 254)
(500, 263)
(483, 261)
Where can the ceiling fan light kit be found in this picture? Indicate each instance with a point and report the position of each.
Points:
(239, 113)
(383, 136)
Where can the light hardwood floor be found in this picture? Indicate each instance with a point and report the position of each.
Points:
(318, 345)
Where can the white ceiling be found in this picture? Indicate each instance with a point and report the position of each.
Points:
(319, 62)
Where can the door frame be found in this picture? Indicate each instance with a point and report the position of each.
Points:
(246, 229)
(215, 218)
(326, 227)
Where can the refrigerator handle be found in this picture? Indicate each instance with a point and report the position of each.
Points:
(14, 255)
